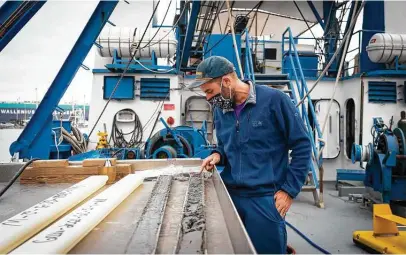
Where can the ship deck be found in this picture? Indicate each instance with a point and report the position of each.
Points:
(331, 228)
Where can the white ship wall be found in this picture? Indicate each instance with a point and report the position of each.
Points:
(347, 89)
(386, 111)
(143, 108)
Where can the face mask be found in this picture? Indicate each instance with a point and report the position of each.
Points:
(221, 102)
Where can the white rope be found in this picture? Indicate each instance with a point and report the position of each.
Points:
(56, 144)
(234, 40)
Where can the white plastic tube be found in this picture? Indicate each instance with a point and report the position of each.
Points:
(24, 225)
(63, 235)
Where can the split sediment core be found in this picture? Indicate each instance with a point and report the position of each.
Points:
(146, 234)
(193, 225)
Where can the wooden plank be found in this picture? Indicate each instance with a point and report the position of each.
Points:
(34, 171)
(110, 172)
(68, 178)
(98, 162)
(50, 163)
(122, 170)
(71, 174)
(63, 235)
(19, 228)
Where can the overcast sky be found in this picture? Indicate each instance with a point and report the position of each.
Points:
(33, 58)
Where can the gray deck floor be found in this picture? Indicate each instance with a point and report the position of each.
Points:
(331, 227)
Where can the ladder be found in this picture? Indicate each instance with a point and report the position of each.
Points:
(297, 89)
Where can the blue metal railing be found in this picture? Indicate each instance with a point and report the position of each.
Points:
(249, 66)
(301, 87)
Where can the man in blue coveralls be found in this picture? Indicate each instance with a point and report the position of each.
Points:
(256, 126)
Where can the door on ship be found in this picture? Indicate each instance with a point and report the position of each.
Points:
(198, 110)
(332, 131)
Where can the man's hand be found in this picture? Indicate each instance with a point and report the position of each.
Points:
(283, 202)
(210, 161)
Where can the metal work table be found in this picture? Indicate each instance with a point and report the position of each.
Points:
(224, 232)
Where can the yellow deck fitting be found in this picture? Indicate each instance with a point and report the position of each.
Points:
(102, 143)
(385, 237)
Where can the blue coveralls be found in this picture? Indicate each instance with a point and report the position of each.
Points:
(255, 149)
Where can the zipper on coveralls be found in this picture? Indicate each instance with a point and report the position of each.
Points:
(237, 127)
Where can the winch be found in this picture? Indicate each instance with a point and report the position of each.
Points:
(385, 158)
(178, 142)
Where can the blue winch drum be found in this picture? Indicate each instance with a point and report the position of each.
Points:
(356, 153)
(165, 152)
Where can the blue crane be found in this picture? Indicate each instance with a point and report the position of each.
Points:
(33, 141)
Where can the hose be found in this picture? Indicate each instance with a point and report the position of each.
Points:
(117, 134)
(307, 239)
(76, 140)
(80, 138)
(15, 177)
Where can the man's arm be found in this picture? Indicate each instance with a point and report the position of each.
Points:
(218, 154)
(220, 147)
(298, 141)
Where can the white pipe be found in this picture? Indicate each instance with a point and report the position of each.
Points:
(234, 40)
(24, 225)
(64, 234)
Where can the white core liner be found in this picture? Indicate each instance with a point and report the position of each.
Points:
(24, 225)
(64, 234)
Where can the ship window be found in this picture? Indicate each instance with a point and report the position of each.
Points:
(349, 126)
(270, 54)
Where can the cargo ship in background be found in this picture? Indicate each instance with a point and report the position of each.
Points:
(17, 114)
